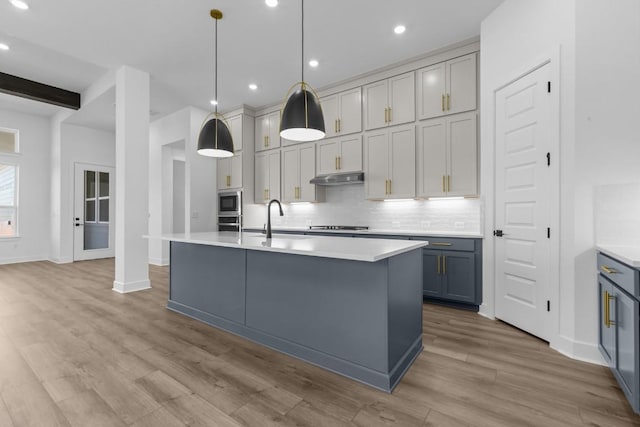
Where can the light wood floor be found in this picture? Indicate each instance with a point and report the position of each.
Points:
(73, 352)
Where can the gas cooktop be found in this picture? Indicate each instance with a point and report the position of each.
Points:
(338, 227)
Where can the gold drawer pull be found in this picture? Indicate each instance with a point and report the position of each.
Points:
(441, 244)
(607, 270)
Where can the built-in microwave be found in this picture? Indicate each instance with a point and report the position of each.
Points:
(230, 203)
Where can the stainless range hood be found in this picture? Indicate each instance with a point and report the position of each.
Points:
(339, 179)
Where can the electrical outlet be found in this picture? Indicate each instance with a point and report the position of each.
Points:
(458, 224)
(194, 214)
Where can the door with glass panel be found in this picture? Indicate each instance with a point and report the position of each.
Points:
(93, 221)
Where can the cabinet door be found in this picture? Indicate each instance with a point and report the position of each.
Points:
(624, 313)
(331, 113)
(431, 277)
(235, 127)
(458, 276)
(273, 190)
(402, 99)
(274, 130)
(432, 158)
(402, 156)
(431, 91)
(376, 152)
(262, 132)
(224, 173)
(375, 105)
(327, 157)
(261, 178)
(290, 175)
(235, 172)
(462, 146)
(461, 84)
(606, 333)
(306, 171)
(350, 154)
(350, 119)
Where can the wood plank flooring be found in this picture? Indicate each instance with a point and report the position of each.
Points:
(75, 353)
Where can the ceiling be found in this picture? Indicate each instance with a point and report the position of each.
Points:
(71, 43)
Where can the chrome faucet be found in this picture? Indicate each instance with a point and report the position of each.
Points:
(269, 216)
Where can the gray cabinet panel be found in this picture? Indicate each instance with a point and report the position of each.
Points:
(431, 280)
(459, 276)
(211, 287)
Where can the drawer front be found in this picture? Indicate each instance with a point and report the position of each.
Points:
(620, 274)
(448, 243)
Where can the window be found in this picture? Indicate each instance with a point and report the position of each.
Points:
(8, 200)
(8, 141)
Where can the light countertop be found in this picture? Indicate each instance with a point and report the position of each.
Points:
(370, 250)
(389, 232)
(629, 255)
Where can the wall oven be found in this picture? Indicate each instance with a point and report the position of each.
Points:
(230, 211)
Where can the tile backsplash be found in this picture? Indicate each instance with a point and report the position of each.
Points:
(617, 214)
(346, 205)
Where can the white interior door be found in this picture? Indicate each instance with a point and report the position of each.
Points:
(523, 180)
(94, 210)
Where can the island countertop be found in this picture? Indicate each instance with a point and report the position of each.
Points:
(354, 249)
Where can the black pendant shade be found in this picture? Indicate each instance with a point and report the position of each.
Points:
(302, 118)
(215, 139)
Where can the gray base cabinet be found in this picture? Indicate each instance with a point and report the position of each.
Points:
(619, 324)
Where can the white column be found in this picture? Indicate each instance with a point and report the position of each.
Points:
(132, 180)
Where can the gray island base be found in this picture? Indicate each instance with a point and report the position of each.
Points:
(360, 319)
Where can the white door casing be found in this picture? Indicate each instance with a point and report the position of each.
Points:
(523, 145)
(83, 248)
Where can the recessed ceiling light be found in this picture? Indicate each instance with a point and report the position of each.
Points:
(271, 3)
(213, 102)
(399, 29)
(20, 4)
(313, 63)
(4, 46)
(253, 86)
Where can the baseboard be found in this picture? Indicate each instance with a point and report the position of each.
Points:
(487, 312)
(125, 288)
(162, 262)
(578, 350)
(17, 260)
(61, 260)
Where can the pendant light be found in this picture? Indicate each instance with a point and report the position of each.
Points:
(215, 139)
(301, 118)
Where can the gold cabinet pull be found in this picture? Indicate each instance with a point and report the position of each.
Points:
(448, 183)
(228, 181)
(448, 100)
(335, 126)
(443, 102)
(339, 162)
(609, 298)
(608, 270)
(385, 115)
(444, 264)
(605, 302)
(390, 115)
(444, 190)
(339, 125)
(438, 263)
(440, 244)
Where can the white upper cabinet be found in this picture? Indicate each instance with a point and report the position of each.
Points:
(298, 168)
(447, 88)
(339, 155)
(267, 176)
(390, 166)
(235, 127)
(342, 112)
(448, 156)
(390, 102)
(268, 131)
(230, 172)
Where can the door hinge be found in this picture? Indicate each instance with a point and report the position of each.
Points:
(548, 305)
(548, 232)
(548, 159)
(548, 87)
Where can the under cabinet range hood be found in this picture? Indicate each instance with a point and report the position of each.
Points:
(339, 179)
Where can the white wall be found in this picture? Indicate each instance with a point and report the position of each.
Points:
(33, 193)
(346, 205)
(180, 128)
(598, 71)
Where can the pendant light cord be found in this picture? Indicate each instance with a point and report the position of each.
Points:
(215, 67)
(302, 53)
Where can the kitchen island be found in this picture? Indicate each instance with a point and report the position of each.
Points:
(352, 306)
